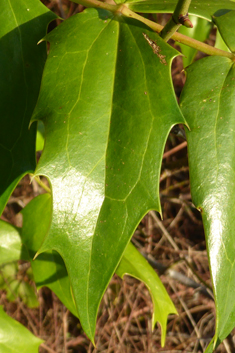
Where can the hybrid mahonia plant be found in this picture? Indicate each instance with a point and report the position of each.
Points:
(106, 99)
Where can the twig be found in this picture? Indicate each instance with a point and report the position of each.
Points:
(168, 173)
(175, 149)
(229, 344)
(179, 277)
(177, 218)
(206, 290)
(163, 229)
(175, 186)
(61, 9)
(43, 345)
(122, 9)
(179, 17)
(188, 314)
(65, 329)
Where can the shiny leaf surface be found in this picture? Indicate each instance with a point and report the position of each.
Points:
(23, 24)
(135, 265)
(200, 8)
(209, 107)
(106, 123)
(10, 243)
(15, 338)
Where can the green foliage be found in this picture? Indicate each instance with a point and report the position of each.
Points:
(15, 338)
(107, 104)
(126, 123)
(10, 243)
(200, 8)
(135, 265)
(15, 286)
(21, 66)
(48, 268)
(225, 25)
(210, 116)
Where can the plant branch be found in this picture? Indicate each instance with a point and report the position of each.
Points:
(178, 37)
(122, 9)
(98, 4)
(179, 17)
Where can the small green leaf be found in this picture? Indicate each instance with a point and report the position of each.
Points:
(10, 243)
(208, 105)
(48, 268)
(226, 26)
(135, 265)
(23, 24)
(200, 8)
(15, 338)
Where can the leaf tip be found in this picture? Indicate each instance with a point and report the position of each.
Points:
(36, 255)
(41, 40)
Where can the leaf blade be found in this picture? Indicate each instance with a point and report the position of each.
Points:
(21, 68)
(225, 24)
(198, 8)
(87, 193)
(89, 213)
(15, 338)
(10, 243)
(135, 265)
(48, 268)
(210, 116)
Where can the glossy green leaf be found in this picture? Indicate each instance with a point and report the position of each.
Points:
(226, 26)
(200, 31)
(135, 265)
(15, 338)
(23, 24)
(10, 243)
(201, 8)
(106, 123)
(48, 268)
(208, 105)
